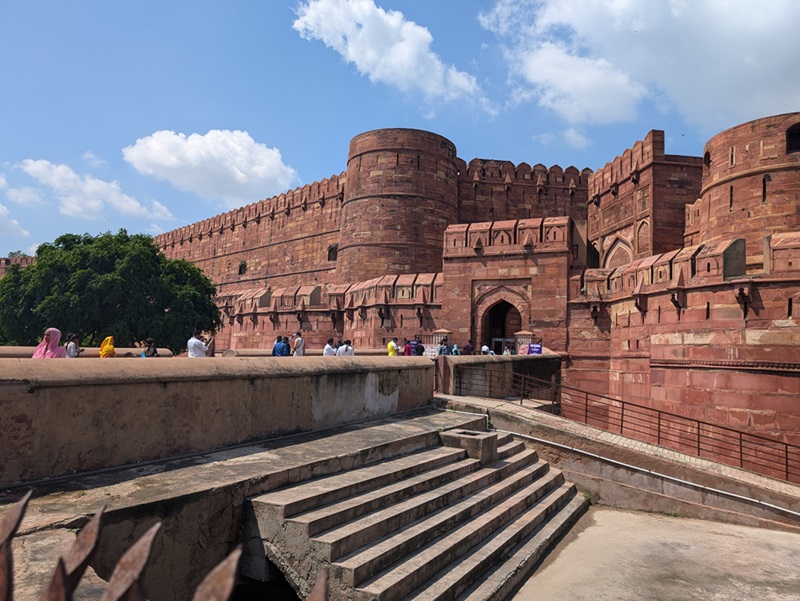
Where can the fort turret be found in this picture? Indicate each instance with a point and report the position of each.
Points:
(750, 186)
(400, 197)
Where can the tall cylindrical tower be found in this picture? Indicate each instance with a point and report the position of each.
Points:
(751, 182)
(400, 196)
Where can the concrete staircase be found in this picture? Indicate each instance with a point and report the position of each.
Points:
(468, 519)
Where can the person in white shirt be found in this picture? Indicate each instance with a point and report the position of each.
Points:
(299, 347)
(198, 348)
(345, 350)
(73, 348)
(329, 351)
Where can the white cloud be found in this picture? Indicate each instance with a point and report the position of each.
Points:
(221, 164)
(93, 159)
(24, 196)
(716, 63)
(3, 181)
(10, 227)
(580, 89)
(86, 196)
(386, 47)
(576, 138)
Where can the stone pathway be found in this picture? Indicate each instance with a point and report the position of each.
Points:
(615, 555)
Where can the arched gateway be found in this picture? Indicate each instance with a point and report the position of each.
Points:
(498, 324)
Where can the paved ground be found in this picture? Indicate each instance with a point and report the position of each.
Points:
(615, 555)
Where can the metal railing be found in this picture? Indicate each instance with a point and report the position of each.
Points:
(501, 384)
(752, 452)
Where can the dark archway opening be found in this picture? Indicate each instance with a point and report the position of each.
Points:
(499, 324)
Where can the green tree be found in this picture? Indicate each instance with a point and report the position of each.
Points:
(108, 285)
(14, 254)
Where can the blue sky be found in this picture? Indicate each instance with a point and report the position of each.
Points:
(151, 115)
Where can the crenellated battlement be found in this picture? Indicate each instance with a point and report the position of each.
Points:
(627, 165)
(6, 262)
(293, 202)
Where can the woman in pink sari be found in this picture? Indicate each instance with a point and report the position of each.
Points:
(48, 348)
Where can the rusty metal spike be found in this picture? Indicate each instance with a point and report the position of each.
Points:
(8, 528)
(130, 567)
(218, 585)
(11, 521)
(134, 593)
(57, 589)
(6, 572)
(77, 559)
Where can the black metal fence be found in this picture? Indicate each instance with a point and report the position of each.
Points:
(756, 453)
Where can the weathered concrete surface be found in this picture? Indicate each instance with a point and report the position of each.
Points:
(35, 558)
(616, 555)
(59, 417)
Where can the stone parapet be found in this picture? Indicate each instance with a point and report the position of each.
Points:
(60, 417)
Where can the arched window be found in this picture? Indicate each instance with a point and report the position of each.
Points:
(243, 268)
(793, 138)
(333, 252)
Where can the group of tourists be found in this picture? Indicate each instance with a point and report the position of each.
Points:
(49, 347)
(342, 348)
(414, 347)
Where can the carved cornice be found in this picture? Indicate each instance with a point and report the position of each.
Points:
(737, 365)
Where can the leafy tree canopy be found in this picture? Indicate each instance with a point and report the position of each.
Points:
(15, 254)
(109, 285)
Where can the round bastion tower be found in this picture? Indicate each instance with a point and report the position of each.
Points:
(750, 183)
(400, 196)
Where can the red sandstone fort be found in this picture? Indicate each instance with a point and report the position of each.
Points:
(664, 280)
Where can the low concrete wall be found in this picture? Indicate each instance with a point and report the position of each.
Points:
(26, 352)
(545, 367)
(58, 417)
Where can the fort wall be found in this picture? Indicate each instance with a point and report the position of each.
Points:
(690, 332)
(636, 202)
(58, 417)
(279, 241)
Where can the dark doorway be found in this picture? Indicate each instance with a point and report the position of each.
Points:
(499, 324)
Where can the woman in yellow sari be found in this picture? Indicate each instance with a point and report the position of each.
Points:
(107, 348)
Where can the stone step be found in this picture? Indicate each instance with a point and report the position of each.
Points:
(510, 521)
(366, 563)
(507, 446)
(350, 536)
(287, 502)
(526, 557)
(314, 522)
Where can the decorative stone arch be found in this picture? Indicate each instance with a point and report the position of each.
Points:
(516, 302)
(643, 238)
(619, 253)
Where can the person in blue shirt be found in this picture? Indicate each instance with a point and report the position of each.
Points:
(281, 347)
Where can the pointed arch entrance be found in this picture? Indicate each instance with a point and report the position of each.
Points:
(500, 321)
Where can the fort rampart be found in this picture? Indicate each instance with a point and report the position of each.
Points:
(58, 417)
